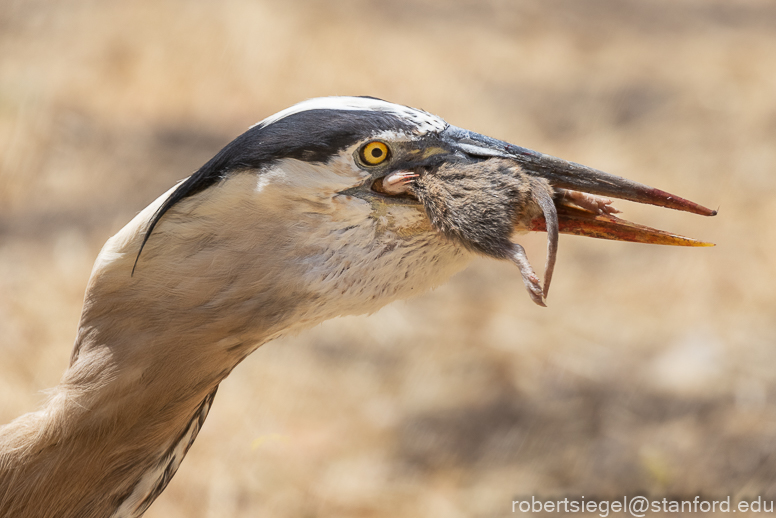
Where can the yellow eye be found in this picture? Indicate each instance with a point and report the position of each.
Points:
(374, 153)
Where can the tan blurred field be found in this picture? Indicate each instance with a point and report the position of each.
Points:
(652, 371)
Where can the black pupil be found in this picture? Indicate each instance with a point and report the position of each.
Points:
(377, 152)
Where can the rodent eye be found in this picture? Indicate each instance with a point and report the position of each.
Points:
(374, 153)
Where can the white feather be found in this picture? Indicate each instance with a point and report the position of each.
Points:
(425, 121)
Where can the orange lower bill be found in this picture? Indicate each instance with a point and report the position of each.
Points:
(572, 220)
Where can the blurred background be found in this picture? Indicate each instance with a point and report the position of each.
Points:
(651, 371)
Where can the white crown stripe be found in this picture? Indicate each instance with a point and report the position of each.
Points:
(425, 121)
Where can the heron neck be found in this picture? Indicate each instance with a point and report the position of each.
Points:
(152, 347)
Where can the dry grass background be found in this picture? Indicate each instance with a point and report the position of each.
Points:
(653, 368)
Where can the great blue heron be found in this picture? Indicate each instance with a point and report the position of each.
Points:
(335, 206)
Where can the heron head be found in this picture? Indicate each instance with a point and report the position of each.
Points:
(367, 201)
